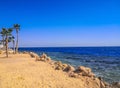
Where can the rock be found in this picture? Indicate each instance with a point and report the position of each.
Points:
(72, 74)
(65, 67)
(106, 84)
(103, 83)
(37, 59)
(42, 59)
(34, 55)
(84, 71)
(44, 55)
(100, 83)
(58, 68)
(69, 68)
(48, 59)
(45, 58)
(99, 78)
(58, 65)
(116, 85)
(97, 81)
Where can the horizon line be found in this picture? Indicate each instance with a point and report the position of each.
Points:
(61, 46)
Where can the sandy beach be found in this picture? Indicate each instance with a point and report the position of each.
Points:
(22, 71)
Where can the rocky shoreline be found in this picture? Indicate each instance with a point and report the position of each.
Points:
(79, 72)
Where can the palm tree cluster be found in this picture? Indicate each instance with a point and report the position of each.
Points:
(7, 37)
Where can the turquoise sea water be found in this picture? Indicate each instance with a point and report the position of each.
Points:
(104, 61)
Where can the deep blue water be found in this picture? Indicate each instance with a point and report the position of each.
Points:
(104, 61)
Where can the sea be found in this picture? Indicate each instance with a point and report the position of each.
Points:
(104, 61)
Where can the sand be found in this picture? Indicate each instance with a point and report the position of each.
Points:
(22, 71)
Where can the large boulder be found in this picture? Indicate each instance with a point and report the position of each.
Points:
(34, 55)
(48, 59)
(69, 68)
(58, 65)
(84, 71)
(72, 74)
(100, 83)
(44, 56)
(65, 67)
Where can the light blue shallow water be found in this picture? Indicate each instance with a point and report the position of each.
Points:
(104, 61)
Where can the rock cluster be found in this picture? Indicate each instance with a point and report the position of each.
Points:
(58, 65)
(84, 71)
(81, 71)
(65, 67)
(43, 57)
(34, 55)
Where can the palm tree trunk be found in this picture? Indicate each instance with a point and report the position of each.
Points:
(6, 46)
(3, 40)
(16, 51)
(13, 47)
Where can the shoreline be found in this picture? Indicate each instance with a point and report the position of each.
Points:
(83, 74)
(74, 74)
(103, 61)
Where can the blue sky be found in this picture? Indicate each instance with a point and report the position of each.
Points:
(63, 22)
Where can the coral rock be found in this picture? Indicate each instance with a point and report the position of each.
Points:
(84, 71)
(69, 68)
(44, 55)
(34, 55)
(48, 59)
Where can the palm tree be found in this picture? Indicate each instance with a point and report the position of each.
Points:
(17, 28)
(3, 35)
(12, 39)
(7, 33)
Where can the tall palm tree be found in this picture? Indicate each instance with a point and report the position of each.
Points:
(7, 33)
(3, 35)
(17, 28)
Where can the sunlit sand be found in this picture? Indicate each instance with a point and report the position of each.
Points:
(22, 71)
